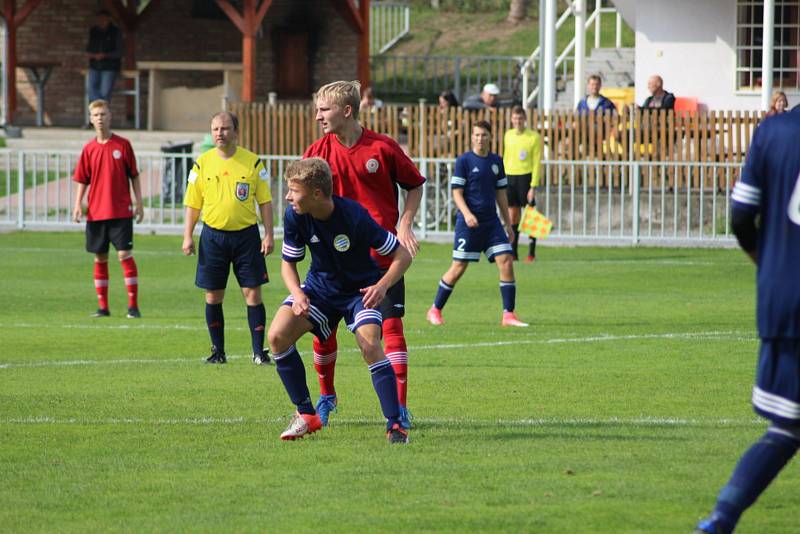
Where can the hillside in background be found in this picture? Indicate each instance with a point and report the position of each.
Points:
(449, 31)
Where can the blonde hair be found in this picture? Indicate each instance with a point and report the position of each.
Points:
(342, 94)
(777, 95)
(313, 173)
(99, 103)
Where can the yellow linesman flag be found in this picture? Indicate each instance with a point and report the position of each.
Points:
(534, 224)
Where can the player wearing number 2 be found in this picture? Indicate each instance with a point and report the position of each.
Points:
(479, 183)
(766, 221)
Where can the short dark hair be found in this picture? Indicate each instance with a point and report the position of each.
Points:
(518, 110)
(483, 125)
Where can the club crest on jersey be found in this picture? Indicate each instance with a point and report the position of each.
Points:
(242, 190)
(117, 154)
(495, 169)
(341, 243)
(372, 165)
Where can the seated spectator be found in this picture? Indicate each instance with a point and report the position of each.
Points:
(659, 98)
(488, 99)
(447, 100)
(594, 101)
(368, 100)
(779, 103)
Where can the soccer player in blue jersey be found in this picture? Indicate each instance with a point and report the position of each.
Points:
(343, 282)
(478, 184)
(766, 221)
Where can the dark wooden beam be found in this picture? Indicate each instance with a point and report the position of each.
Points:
(349, 13)
(22, 14)
(248, 23)
(234, 15)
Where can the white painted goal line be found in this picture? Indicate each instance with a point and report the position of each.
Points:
(712, 335)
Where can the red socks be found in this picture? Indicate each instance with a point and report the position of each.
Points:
(325, 353)
(131, 280)
(101, 283)
(397, 353)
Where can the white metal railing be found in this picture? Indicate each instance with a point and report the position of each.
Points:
(627, 202)
(388, 23)
(528, 95)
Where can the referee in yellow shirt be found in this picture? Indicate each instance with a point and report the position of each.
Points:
(226, 183)
(522, 159)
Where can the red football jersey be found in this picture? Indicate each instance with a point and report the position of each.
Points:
(370, 172)
(107, 168)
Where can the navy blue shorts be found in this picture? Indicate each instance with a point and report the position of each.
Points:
(220, 249)
(776, 394)
(488, 237)
(393, 304)
(326, 312)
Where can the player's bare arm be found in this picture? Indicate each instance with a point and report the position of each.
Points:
(291, 280)
(190, 220)
(405, 228)
(374, 294)
(138, 203)
(77, 210)
(268, 243)
(461, 204)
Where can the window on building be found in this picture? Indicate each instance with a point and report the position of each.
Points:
(749, 41)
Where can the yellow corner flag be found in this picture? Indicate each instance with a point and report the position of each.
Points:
(534, 224)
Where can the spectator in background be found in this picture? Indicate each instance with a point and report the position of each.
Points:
(368, 100)
(659, 98)
(105, 51)
(447, 100)
(594, 101)
(779, 103)
(487, 99)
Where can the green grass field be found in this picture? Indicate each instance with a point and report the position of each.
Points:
(622, 409)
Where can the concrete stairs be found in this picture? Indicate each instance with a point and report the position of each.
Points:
(616, 66)
(73, 139)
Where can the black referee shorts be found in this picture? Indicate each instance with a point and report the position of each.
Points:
(517, 191)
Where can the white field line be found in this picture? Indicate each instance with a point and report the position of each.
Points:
(713, 336)
(640, 421)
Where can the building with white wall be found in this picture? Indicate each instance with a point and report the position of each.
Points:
(713, 49)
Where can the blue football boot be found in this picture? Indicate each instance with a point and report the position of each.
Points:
(325, 405)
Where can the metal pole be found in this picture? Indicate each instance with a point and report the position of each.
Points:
(526, 71)
(21, 190)
(422, 164)
(766, 54)
(549, 56)
(618, 42)
(580, 51)
(598, 4)
(635, 191)
(540, 70)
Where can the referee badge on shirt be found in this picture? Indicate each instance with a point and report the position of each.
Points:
(242, 190)
(372, 165)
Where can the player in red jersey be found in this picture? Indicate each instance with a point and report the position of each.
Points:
(369, 168)
(107, 168)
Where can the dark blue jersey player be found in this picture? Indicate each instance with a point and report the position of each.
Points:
(766, 221)
(479, 191)
(343, 282)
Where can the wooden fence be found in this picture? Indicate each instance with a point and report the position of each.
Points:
(425, 131)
